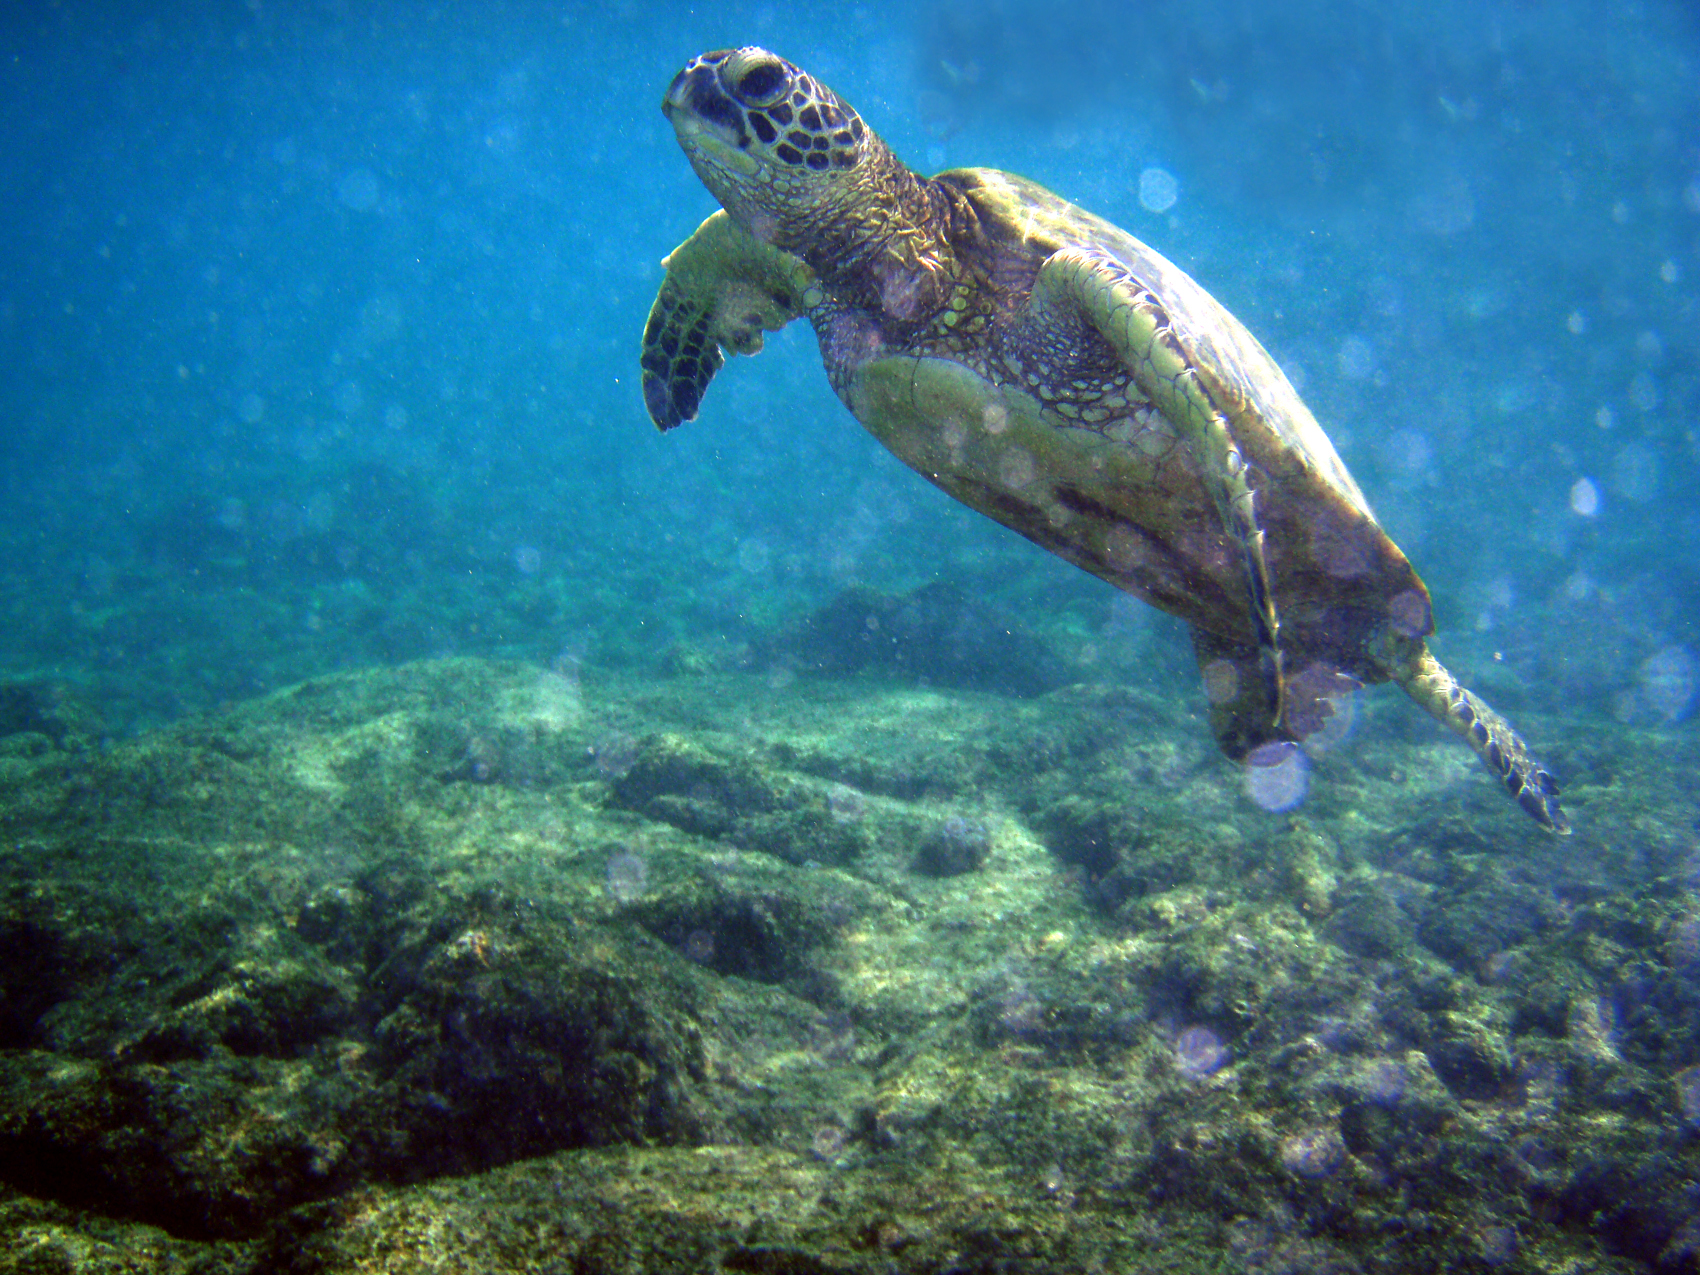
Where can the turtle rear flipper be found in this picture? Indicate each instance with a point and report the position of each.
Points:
(1499, 746)
(724, 288)
(1132, 318)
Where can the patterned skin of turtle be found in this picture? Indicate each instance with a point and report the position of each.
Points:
(1053, 372)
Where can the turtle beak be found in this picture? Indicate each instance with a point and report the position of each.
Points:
(695, 103)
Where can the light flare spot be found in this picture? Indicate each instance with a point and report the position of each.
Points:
(1277, 776)
(1158, 190)
(1584, 498)
(1221, 682)
(1015, 470)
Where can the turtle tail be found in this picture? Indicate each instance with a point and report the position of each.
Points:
(1530, 784)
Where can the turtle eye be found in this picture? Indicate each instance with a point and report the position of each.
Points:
(762, 84)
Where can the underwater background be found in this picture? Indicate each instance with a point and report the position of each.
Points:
(319, 326)
(318, 355)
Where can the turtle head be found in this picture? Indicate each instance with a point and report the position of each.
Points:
(774, 145)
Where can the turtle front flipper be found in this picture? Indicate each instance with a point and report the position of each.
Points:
(724, 288)
(1530, 784)
(1132, 318)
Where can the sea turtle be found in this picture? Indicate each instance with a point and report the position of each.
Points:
(1054, 373)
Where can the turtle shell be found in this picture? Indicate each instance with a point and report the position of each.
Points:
(1126, 498)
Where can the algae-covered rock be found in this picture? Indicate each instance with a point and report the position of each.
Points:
(482, 965)
(681, 783)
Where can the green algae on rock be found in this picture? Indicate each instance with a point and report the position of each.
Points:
(323, 979)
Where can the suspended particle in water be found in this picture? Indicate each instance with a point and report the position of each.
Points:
(699, 947)
(1496, 1245)
(1584, 497)
(1199, 1052)
(1277, 776)
(1668, 680)
(528, 560)
(1688, 1094)
(1381, 1081)
(358, 189)
(1635, 473)
(846, 804)
(1356, 359)
(1313, 1153)
(754, 556)
(1341, 723)
(828, 1142)
(1158, 190)
(626, 878)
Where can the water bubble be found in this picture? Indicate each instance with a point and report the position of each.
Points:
(1584, 497)
(1341, 723)
(528, 559)
(1604, 417)
(1158, 190)
(626, 878)
(1199, 1052)
(699, 947)
(1669, 271)
(614, 753)
(1577, 323)
(833, 1037)
(358, 189)
(1356, 359)
(1221, 682)
(1277, 776)
(1691, 194)
(1496, 1245)
(251, 408)
(754, 556)
(1445, 206)
(1668, 680)
(1015, 470)
(1649, 347)
(1408, 450)
(395, 416)
(1635, 474)
(1313, 1153)
(828, 1142)
(1381, 1081)
(1644, 391)
(1020, 1013)
(846, 804)
(1688, 1094)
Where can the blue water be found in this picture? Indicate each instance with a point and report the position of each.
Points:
(318, 326)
